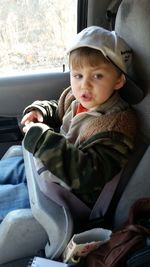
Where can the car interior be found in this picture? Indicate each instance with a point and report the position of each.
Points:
(45, 229)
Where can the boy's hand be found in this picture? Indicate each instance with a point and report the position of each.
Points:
(30, 118)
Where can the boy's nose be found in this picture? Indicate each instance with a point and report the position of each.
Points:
(86, 84)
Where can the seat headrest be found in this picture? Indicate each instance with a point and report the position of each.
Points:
(133, 24)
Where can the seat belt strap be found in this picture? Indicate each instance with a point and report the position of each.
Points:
(105, 206)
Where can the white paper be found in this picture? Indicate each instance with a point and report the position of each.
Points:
(42, 262)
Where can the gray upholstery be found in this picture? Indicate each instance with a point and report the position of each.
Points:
(54, 218)
(138, 187)
(133, 24)
(18, 230)
(47, 226)
(18, 236)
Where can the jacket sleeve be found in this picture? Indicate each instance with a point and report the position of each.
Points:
(48, 110)
(85, 169)
(52, 111)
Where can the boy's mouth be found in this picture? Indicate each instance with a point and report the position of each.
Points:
(86, 97)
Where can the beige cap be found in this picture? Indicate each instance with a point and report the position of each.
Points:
(116, 50)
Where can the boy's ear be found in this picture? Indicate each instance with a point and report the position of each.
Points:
(120, 82)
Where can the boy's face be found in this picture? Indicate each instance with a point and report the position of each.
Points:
(93, 85)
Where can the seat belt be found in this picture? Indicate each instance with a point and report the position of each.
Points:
(104, 209)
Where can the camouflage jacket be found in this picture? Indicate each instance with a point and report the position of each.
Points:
(90, 147)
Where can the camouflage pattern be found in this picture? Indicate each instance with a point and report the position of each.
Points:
(88, 162)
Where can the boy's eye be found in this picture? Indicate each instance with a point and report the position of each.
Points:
(98, 76)
(77, 76)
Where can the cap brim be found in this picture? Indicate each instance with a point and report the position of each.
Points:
(131, 92)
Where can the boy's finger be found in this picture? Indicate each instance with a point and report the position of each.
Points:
(24, 119)
(40, 117)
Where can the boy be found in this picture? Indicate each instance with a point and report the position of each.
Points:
(97, 127)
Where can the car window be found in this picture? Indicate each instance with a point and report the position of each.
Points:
(34, 34)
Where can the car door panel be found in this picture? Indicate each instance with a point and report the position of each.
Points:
(9, 130)
(19, 91)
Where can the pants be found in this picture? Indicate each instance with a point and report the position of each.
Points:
(13, 185)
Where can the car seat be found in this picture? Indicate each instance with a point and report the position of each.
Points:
(133, 24)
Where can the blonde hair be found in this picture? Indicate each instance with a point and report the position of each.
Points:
(86, 55)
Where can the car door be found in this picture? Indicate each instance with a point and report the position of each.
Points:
(19, 91)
